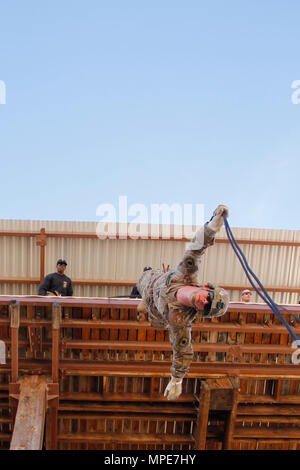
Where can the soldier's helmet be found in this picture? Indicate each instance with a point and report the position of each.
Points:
(218, 301)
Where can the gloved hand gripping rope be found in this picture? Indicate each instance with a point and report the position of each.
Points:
(264, 295)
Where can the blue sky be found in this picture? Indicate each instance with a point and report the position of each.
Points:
(162, 101)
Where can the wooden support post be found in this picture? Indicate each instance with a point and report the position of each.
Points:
(14, 328)
(53, 388)
(202, 418)
(41, 240)
(231, 418)
(51, 423)
(221, 393)
(217, 395)
(56, 320)
(28, 430)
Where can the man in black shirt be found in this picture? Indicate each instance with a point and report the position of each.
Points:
(57, 283)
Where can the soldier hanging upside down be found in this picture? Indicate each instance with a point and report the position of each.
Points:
(173, 299)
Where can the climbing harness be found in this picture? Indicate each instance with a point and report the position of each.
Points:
(264, 295)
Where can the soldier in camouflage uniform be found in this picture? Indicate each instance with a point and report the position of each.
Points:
(172, 299)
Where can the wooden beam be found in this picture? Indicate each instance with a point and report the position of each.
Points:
(165, 408)
(126, 416)
(14, 328)
(56, 319)
(202, 418)
(267, 432)
(268, 410)
(222, 396)
(130, 282)
(159, 369)
(93, 235)
(231, 418)
(125, 303)
(166, 346)
(29, 424)
(268, 419)
(225, 327)
(133, 397)
(127, 438)
(41, 241)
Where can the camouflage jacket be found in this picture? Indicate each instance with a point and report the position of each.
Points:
(158, 291)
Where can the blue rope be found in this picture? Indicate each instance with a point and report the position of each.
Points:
(248, 271)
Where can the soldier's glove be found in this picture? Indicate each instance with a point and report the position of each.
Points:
(173, 389)
(217, 221)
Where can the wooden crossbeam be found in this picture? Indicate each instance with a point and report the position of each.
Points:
(267, 432)
(29, 424)
(164, 346)
(158, 369)
(128, 438)
(133, 397)
(128, 416)
(121, 406)
(268, 410)
(268, 419)
(223, 327)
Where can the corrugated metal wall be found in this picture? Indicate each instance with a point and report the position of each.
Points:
(124, 259)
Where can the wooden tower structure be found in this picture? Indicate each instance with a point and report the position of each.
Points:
(86, 373)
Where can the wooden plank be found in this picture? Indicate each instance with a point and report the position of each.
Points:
(288, 399)
(56, 319)
(111, 395)
(219, 383)
(231, 420)
(268, 432)
(104, 332)
(268, 419)
(114, 334)
(132, 335)
(29, 424)
(221, 397)
(202, 418)
(265, 329)
(86, 332)
(95, 331)
(160, 345)
(122, 416)
(123, 332)
(14, 327)
(159, 369)
(126, 437)
(125, 407)
(263, 410)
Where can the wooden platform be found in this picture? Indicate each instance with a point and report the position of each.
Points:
(98, 376)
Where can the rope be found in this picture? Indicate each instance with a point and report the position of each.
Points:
(264, 294)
